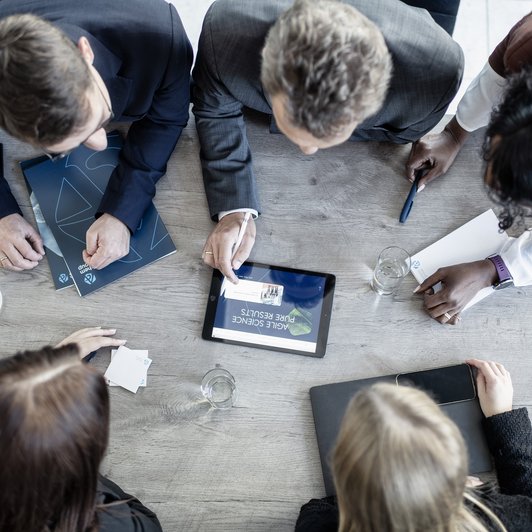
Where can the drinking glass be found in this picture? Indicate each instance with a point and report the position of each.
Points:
(392, 266)
(219, 388)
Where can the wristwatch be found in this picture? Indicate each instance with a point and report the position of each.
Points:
(505, 277)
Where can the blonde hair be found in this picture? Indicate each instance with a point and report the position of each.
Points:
(400, 464)
(331, 64)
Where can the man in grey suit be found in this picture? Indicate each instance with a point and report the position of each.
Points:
(328, 71)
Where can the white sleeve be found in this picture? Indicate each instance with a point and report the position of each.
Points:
(517, 256)
(481, 96)
(253, 212)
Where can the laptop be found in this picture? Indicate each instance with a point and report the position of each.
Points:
(452, 387)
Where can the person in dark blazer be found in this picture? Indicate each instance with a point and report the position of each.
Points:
(68, 68)
(54, 420)
(362, 69)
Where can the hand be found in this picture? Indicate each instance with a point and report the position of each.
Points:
(20, 243)
(107, 241)
(435, 153)
(91, 339)
(494, 387)
(221, 241)
(473, 482)
(460, 283)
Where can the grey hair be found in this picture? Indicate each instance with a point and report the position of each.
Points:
(329, 62)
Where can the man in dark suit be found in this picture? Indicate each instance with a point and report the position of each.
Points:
(366, 69)
(68, 69)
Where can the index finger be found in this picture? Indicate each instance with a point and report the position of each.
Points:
(430, 281)
(416, 160)
(223, 263)
(242, 253)
(17, 259)
(222, 256)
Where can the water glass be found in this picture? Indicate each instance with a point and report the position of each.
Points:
(392, 266)
(219, 388)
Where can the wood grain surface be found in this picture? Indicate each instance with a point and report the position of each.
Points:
(250, 468)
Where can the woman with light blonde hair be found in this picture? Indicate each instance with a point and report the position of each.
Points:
(400, 465)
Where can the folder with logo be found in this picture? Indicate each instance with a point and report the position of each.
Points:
(69, 192)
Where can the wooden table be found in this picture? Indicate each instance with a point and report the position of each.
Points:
(250, 468)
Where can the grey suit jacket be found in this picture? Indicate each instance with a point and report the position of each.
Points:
(427, 70)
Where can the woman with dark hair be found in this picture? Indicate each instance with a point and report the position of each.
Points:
(54, 431)
(400, 465)
(503, 90)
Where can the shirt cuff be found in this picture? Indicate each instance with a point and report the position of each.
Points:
(253, 212)
(484, 92)
(517, 256)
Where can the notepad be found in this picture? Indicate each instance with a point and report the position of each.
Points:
(475, 240)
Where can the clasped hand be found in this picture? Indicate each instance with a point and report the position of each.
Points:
(435, 153)
(107, 241)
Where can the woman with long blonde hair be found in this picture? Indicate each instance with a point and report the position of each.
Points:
(400, 465)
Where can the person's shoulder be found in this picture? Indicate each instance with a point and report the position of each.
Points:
(244, 14)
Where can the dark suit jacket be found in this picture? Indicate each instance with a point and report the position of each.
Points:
(144, 57)
(427, 65)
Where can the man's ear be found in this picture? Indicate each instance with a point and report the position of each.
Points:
(85, 49)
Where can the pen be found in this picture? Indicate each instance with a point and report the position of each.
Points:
(241, 233)
(407, 207)
(239, 238)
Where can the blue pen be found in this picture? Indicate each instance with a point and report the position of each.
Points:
(407, 207)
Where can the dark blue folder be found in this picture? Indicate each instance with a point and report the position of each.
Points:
(69, 192)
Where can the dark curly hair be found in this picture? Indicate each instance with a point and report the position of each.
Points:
(507, 150)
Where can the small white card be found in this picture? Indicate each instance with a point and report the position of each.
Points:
(143, 352)
(473, 241)
(128, 368)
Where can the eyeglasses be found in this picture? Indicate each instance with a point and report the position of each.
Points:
(56, 156)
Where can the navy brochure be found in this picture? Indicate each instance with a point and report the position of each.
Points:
(69, 192)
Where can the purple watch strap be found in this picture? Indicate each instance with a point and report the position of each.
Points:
(502, 271)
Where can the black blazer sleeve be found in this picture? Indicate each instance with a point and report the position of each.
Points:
(509, 437)
(8, 203)
(152, 139)
(124, 512)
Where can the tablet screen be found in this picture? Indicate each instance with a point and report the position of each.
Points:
(272, 307)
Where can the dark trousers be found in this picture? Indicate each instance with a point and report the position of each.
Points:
(442, 11)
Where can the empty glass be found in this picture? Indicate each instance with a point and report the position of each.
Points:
(219, 388)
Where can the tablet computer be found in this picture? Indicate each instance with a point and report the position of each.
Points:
(272, 307)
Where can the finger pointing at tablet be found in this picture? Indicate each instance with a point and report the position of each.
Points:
(220, 251)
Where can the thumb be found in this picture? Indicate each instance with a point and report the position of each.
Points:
(431, 174)
(481, 383)
(92, 241)
(34, 238)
